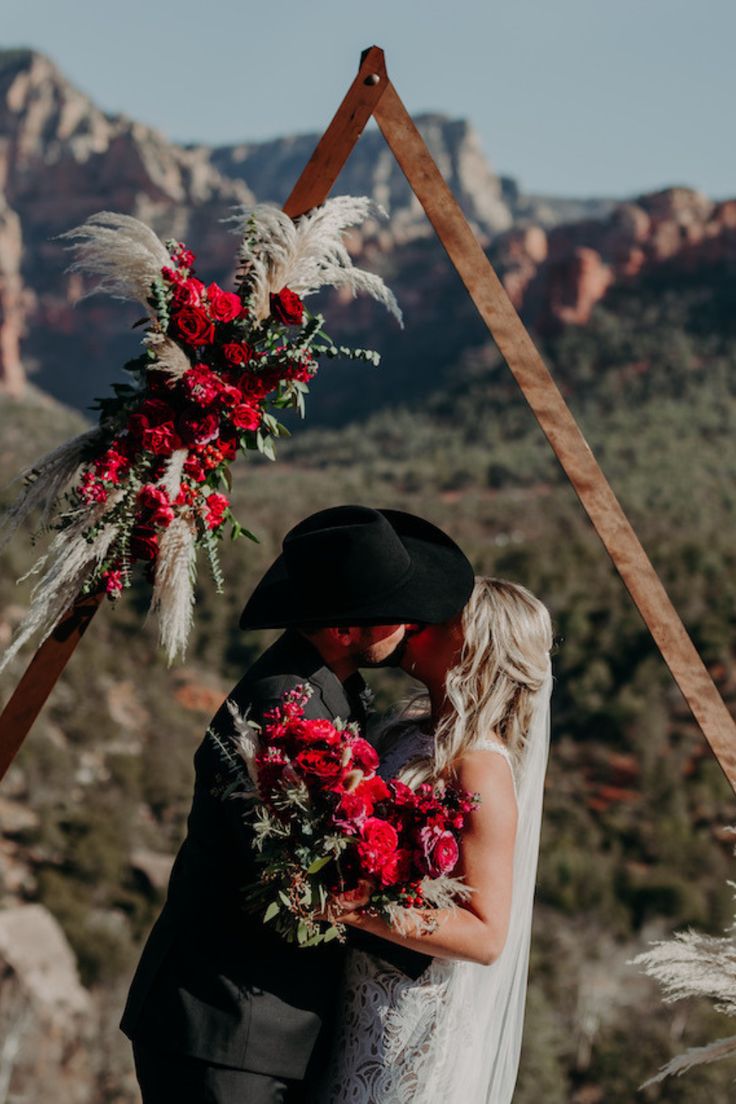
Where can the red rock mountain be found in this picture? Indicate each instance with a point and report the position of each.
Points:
(61, 159)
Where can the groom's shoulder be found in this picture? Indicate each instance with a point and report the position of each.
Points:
(281, 668)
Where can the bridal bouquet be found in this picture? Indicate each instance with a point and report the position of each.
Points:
(326, 825)
(149, 484)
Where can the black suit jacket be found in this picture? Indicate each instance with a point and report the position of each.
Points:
(212, 981)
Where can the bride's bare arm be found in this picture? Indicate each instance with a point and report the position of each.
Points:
(476, 931)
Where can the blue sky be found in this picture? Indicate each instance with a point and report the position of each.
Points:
(571, 97)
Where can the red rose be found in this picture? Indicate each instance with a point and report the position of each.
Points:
(230, 395)
(192, 325)
(379, 841)
(403, 795)
(193, 468)
(287, 307)
(375, 789)
(161, 440)
(324, 764)
(201, 384)
(228, 446)
(245, 416)
(197, 428)
(155, 506)
(315, 731)
(351, 811)
(143, 543)
(254, 388)
(217, 504)
(187, 293)
(224, 306)
(237, 353)
(396, 868)
(364, 754)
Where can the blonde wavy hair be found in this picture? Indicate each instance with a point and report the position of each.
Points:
(504, 662)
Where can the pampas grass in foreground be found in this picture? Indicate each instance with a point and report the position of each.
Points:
(695, 965)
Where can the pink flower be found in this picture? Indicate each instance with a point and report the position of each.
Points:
(113, 581)
(439, 850)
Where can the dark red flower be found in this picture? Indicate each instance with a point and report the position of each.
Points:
(202, 385)
(287, 307)
(245, 416)
(193, 468)
(316, 730)
(143, 543)
(223, 306)
(228, 447)
(217, 504)
(155, 506)
(197, 428)
(321, 763)
(396, 868)
(193, 326)
(237, 353)
(187, 293)
(379, 841)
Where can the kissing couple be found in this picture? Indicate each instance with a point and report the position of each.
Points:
(222, 1010)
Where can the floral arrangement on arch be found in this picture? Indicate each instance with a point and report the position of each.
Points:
(149, 484)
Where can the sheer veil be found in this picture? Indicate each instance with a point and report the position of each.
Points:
(486, 1016)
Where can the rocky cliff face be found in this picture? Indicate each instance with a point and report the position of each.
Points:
(61, 159)
(556, 276)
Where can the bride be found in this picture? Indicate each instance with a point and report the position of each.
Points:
(453, 1036)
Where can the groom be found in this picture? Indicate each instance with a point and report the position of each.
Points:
(221, 1009)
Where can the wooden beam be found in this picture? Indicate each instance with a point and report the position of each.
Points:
(337, 143)
(560, 428)
(41, 674)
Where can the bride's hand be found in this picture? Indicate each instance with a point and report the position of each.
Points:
(344, 908)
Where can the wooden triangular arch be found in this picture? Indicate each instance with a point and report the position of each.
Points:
(373, 95)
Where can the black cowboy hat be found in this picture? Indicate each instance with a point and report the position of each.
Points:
(352, 565)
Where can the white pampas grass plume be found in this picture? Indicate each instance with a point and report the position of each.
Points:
(695, 1056)
(170, 481)
(305, 255)
(246, 739)
(170, 357)
(72, 560)
(694, 965)
(121, 252)
(46, 479)
(173, 587)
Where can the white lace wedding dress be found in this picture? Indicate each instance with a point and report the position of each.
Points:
(404, 1041)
